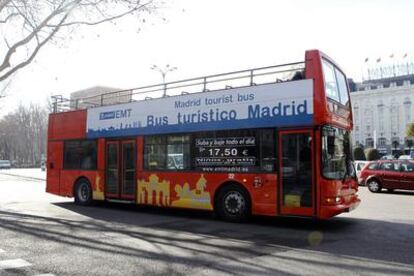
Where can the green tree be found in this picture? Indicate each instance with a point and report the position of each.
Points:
(410, 130)
(358, 153)
(410, 134)
(372, 154)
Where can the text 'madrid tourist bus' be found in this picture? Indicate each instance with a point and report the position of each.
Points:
(271, 141)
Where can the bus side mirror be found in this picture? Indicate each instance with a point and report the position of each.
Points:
(331, 145)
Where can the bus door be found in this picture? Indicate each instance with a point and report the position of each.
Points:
(120, 169)
(296, 168)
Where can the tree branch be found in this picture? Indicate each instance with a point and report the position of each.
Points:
(41, 20)
(34, 53)
(27, 39)
(11, 15)
(136, 8)
(4, 3)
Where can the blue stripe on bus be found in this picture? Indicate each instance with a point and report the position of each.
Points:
(297, 120)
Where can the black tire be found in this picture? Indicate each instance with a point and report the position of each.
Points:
(83, 192)
(374, 185)
(233, 203)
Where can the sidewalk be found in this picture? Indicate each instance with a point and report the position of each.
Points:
(36, 173)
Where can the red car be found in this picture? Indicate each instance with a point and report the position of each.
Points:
(388, 174)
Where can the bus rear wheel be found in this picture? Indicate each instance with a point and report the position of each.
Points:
(233, 203)
(83, 192)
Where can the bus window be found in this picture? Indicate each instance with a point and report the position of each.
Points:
(80, 155)
(178, 152)
(268, 145)
(335, 83)
(155, 150)
(167, 152)
(244, 150)
(336, 163)
(331, 87)
(343, 89)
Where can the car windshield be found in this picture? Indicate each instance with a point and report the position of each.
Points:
(336, 153)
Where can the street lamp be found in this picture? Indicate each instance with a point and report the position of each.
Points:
(163, 72)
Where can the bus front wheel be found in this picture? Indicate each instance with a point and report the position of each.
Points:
(233, 203)
(83, 192)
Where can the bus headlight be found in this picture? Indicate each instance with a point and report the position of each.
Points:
(333, 200)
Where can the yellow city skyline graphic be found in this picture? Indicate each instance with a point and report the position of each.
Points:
(98, 194)
(146, 190)
(196, 198)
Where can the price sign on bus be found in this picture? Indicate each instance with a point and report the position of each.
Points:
(225, 153)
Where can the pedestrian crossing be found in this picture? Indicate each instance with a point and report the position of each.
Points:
(16, 264)
(13, 264)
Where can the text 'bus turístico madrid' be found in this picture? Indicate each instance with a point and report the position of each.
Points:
(271, 141)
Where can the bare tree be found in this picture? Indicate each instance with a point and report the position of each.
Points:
(23, 135)
(28, 25)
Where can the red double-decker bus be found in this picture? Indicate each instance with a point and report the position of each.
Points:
(271, 141)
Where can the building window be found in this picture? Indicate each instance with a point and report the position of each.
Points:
(407, 108)
(380, 108)
(382, 141)
(394, 116)
(395, 142)
(369, 142)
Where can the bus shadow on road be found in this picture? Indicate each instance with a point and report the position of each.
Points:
(116, 212)
(206, 243)
(350, 237)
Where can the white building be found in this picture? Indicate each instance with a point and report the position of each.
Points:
(382, 110)
(99, 95)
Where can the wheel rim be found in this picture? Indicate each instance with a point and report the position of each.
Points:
(83, 192)
(374, 185)
(234, 203)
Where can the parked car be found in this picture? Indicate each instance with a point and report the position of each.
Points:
(43, 166)
(388, 157)
(388, 174)
(404, 157)
(359, 164)
(5, 164)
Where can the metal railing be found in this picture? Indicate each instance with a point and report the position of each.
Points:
(237, 79)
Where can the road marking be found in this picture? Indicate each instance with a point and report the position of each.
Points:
(16, 263)
(2, 251)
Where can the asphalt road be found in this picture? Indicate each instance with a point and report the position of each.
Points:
(44, 234)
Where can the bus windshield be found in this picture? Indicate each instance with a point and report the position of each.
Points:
(336, 153)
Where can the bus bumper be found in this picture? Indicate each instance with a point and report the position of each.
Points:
(327, 211)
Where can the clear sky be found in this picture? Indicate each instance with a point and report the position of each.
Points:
(203, 37)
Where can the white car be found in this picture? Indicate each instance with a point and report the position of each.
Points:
(359, 164)
(5, 164)
(388, 157)
(404, 157)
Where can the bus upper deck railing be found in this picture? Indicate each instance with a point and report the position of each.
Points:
(237, 79)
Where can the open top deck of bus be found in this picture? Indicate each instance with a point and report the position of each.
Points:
(250, 77)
